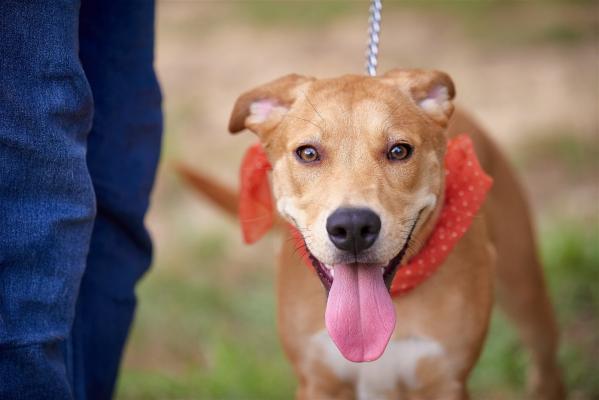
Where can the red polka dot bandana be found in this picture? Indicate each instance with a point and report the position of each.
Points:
(466, 186)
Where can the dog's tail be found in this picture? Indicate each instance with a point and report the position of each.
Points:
(222, 196)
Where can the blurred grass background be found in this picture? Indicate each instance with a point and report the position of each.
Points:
(205, 327)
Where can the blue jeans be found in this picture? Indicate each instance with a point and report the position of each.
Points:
(80, 131)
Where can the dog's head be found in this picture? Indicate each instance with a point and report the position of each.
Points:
(358, 170)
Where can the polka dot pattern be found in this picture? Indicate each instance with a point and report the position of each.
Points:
(466, 186)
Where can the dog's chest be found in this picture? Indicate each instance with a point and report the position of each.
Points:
(372, 380)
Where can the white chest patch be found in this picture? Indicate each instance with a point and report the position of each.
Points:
(372, 379)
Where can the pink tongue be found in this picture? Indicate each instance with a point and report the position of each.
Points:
(360, 316)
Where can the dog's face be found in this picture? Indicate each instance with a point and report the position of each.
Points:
(358, 170)
(357, 161)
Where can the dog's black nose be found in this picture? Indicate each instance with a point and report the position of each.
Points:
(353, 229)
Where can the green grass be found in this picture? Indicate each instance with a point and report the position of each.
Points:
(502, 365)
(220, 340)
(238, 372)
(570, 252)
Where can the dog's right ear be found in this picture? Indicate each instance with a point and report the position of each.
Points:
(262, 109)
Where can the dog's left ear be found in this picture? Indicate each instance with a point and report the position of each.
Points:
(261, 109)
(432, 91)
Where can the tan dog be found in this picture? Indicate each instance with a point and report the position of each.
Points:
(358, 165)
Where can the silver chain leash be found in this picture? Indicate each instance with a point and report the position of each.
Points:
(374, 27)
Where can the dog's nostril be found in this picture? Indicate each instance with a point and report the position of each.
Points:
(353, 229)
(338, 232)
(367, 230)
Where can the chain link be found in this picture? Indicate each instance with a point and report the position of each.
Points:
(374, 27)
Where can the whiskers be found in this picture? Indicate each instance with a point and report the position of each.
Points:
(323, 121)
(305, 120)
(254, 219)
(313, 106)
(299, 245)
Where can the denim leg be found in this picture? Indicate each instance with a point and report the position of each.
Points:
(117, 51)
(47, 203)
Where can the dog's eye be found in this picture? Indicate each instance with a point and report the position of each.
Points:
(307, 154)
(399, 152)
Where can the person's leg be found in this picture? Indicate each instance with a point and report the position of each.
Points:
(117, 50)
(47, 202)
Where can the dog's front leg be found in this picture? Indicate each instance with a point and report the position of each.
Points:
(322, 384)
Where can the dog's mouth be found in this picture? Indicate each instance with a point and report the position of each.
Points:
(360, 315)
(326, 272)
